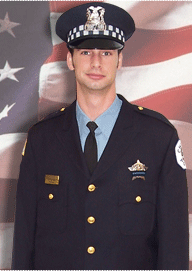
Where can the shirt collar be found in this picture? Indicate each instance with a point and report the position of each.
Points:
(105, 121)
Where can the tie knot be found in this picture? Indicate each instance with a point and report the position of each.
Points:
(92, 126)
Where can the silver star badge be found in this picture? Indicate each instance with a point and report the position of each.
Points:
(138, 170)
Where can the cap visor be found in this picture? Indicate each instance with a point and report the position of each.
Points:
(95, 43)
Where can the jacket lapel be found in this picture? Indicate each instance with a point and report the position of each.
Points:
(68, 135)
(120, 139)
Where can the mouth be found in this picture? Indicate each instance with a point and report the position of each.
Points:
(95, 76)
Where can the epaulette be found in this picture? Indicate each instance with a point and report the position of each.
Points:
(50, 116)
(153, 114)
(53, 114)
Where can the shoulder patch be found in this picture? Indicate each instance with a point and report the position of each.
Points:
(152, 113)
(179, 155)
(23, 152)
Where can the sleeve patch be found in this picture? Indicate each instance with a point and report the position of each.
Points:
(23, 152)
(179, 155)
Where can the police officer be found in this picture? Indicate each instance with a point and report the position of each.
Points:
(102, 183)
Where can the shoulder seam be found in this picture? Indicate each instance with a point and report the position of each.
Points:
(51, 115)
(153, 114)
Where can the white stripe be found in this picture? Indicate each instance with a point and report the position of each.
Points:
(180, 16)
(7, 140)
(57, 82)
(185, 134)
(6, 245)
(54, 16)
(122, 3)
(11, 146)
(158, 16)
(140, 81)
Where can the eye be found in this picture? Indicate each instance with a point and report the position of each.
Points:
(86, 53)
(106, 53)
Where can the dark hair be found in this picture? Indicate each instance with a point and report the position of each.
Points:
(71, 50)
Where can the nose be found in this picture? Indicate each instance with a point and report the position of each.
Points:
(96, 60)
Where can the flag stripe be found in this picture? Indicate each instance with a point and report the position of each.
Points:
(180, 97)
(132, 82)
(145, 47)
(138, 82)
(62, 6)
(6, 245)
(161, 15)
(57, 82)
(151, 46)
(59, 53)
(11, 146)
(8, 189)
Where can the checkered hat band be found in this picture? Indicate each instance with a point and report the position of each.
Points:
(110, 31)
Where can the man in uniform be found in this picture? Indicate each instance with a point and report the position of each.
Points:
(102, 183)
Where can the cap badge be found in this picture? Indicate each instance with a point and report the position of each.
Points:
(95, 19)
(138, 170)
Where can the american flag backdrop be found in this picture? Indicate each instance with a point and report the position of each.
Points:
(35, 80)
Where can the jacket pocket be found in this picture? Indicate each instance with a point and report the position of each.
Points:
(137, 209)
(52, 208)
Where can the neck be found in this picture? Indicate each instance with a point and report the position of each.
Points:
(93, 105)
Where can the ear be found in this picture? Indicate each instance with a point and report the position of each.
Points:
(70, 61)
(120, 61)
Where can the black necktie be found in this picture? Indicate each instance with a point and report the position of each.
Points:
(90, 150)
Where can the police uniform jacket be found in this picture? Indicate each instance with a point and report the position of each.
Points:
(136, 223)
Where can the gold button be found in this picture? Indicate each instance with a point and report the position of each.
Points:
(138, 198)
(91, 219)
(62, 109)
(91, 250)
(91, 188)
(140, 107)
(51, 196)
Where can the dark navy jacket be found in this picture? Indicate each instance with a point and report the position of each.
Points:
(149, 233)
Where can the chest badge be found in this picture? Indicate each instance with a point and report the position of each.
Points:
(138, 170)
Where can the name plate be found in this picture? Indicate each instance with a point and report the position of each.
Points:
(52, 179)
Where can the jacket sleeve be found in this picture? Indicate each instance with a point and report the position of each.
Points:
(172, 210)
(25, 217)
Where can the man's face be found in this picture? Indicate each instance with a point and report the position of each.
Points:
(95, 69)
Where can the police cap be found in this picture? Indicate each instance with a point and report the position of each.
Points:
(95, 25)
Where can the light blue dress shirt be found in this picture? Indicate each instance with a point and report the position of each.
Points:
(105, 123)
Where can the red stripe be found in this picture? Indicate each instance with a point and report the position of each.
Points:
(59, 53)
(152, 46)
(62, 6)
(7, 200)
(174, 103)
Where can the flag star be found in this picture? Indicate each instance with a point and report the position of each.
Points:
(5, 111)
(8, 72)
(7, 25)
